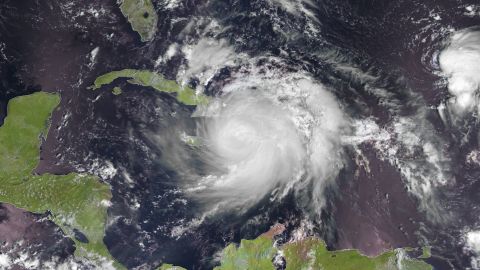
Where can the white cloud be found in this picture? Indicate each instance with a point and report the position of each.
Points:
(205, 58)
(270, 132)
(473, 240)
(459, 62)
(402, 143)
(472, 243)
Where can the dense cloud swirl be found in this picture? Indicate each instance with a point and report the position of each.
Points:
(473, 245)
(265, 139)
(255, 143)
(460, 63)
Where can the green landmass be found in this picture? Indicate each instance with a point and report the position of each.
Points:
(75, 201)
(311, 253)
(426, 253)
(142, 17)
(185, 95)
(170, 267)
(412, 264)
(251, 254)
(117, 91)
(80, 202)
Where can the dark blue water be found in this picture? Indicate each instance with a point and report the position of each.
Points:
(46, 47)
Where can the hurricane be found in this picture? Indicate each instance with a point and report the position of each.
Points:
(265, 136)
(244, 134)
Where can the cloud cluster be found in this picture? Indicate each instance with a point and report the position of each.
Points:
(267, 135)
(473, 244)
(459, 61)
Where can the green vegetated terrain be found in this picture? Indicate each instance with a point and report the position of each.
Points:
(117, 91)
(75, 201)
(80, 202)
(251, 254)
(170, 267)
(185, 95)
(311, 253)
(142, 17)
(426, 253)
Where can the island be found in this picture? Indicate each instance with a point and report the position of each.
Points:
(184, 94)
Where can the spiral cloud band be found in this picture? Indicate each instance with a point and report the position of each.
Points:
(267, 135)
